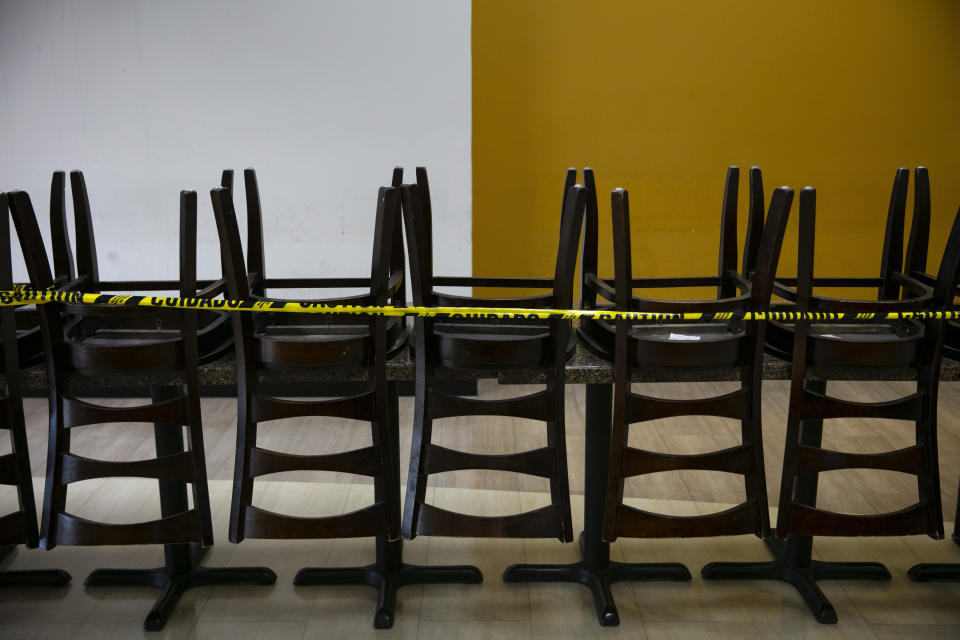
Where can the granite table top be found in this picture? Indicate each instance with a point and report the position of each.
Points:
(583, 367)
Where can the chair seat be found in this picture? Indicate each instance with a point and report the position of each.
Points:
(29, 348)
(489, 346)
(334, 345)
(666, 345)
(884, 345)
(107, 350)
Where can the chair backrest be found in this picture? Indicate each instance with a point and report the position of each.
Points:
(239, 282)
(728, 280)
(88, 273)
(915, 263)
(63, 263)
(763, 249)
(727, 271)
(8, 347)
(28, 334)
(418, 223)
(892, 279)
(31, 241)
(255, 260)
(15, 468)
(41, 277)
(948, 275)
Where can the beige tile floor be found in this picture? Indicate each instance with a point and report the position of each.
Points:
(494, 609)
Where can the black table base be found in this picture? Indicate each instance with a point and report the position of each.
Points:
(792, 564)
(936, 572)
(31, 577)
(598, 575)
(389, 572)
(793, 559)
(595, 570)
(387, 575)
(181, 570)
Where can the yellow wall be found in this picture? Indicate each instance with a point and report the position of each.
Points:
(660, 97)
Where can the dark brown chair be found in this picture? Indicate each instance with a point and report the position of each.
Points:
(720, 345)
(338, 343)
(915, 264)
(84, 341)
(20, 348)
(485, 344)
(732, 349)
(29, 340)
(824, 350)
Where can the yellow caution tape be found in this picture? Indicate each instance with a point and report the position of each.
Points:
(21, 296)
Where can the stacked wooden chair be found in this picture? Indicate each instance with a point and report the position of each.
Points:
(915, 265)
(475, 344)
(822, 350)
(86, 344)
(339, 344)
(731, 350)
(22, 348)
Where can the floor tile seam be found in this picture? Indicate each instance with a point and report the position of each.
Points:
(915, 624)
(853, 602)
(754, 629)
(193, 628)
(420, 610)
(99, 599)
(316, 596)
(271, 619)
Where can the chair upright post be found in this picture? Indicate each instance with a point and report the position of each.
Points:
(20, 526)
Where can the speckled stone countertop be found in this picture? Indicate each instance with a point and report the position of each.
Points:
(584, 367)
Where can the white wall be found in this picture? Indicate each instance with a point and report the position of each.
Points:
(322, 98)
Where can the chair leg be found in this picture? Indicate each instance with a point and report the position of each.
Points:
(182, 569)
